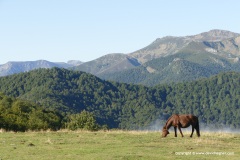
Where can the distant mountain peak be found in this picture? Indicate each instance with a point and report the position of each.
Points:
(214, 35)
(220, 32)
(109, 63)
(170, 45)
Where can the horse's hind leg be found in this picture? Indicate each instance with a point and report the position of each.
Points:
(192, 131)
(198, 131)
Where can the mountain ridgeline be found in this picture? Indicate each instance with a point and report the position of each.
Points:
(171, 59)
(127, 106)
(166, 60)
(18, 67)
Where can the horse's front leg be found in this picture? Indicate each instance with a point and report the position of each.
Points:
(180, 130)
(175, 129)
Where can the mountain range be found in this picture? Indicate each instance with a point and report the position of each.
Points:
(25, 66)
(168, 59)
(172, 59)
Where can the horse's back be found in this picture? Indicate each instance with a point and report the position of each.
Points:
(188, 119)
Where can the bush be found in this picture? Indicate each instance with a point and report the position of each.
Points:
(84, 120)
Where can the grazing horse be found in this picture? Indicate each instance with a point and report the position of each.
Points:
(181, 121)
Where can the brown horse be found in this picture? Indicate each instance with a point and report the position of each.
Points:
(181, 121)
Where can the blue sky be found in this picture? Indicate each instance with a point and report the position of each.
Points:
(62, 30)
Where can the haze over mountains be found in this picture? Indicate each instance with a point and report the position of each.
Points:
(167, 59)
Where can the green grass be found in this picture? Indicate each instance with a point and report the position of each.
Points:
(116, 145)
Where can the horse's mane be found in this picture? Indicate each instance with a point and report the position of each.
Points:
(169, 119)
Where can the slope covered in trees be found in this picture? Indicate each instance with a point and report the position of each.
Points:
(22, 115)
(215, 100)
(19, 115)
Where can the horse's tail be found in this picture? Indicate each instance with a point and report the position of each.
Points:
(197, 128)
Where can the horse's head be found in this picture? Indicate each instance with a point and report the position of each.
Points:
(164, 132)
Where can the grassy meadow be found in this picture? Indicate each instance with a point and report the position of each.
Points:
(104, 145)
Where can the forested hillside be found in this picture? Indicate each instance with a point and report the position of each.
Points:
(215, 100)
(19, 115)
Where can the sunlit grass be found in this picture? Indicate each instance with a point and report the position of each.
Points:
(116, 144)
